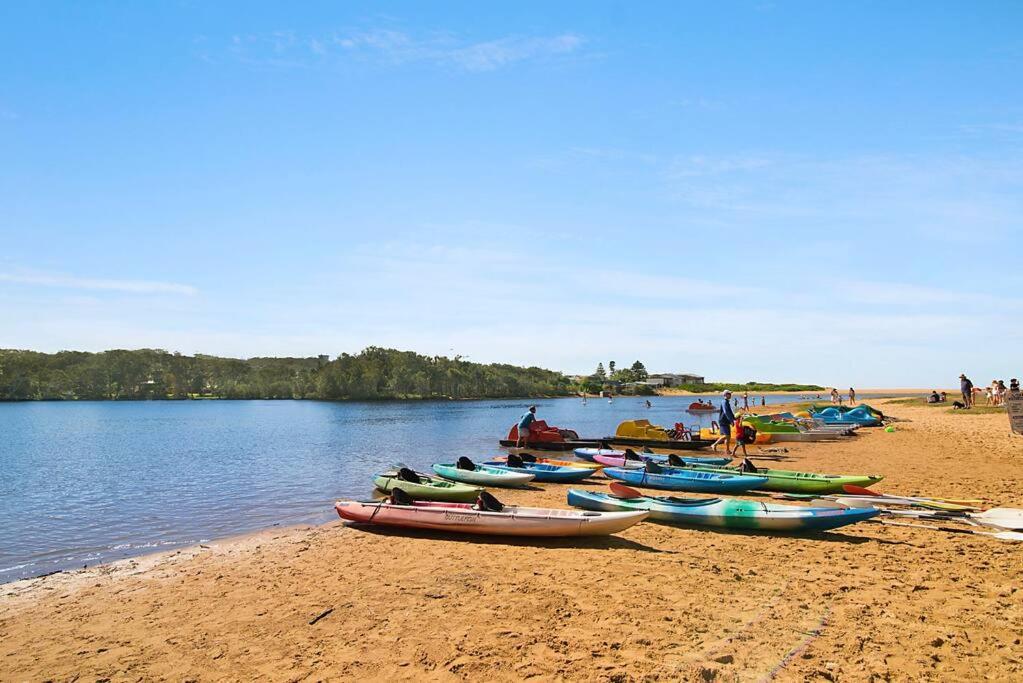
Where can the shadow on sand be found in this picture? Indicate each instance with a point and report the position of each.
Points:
(590, 542)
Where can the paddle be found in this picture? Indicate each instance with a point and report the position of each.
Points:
(623, 491)
(861, 491)
(1003, 535)
(926, 502)
(1004, 522)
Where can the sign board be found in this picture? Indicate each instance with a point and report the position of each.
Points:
(1014, 406)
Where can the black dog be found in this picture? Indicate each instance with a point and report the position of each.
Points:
(958, 405)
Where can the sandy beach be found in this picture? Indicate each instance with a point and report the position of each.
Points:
(656, 602)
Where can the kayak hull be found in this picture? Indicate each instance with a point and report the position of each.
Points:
(551, 474)
(678, 479)
(621, 461)
(726, 513)
(512, 521)
(560, 463)
(791, 481)
(432, 488)
(693, 445)
(483, 475)
(553, 445)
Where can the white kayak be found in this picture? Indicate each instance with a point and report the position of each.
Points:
(483, 475)
(509, 521)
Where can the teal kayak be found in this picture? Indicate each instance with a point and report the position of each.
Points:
(554, 474)
(677, 479)
(725, 513)
(467, 472)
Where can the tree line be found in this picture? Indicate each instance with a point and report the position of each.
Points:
(375, 373)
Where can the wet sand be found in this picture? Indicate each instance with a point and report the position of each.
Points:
(652, 603)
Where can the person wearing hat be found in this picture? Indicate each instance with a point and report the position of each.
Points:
(726, 418)
(966, 387)
(528, 418)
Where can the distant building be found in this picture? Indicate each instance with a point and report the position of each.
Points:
(671, 379)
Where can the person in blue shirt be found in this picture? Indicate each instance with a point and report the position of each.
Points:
(726, 418)
(527, 419)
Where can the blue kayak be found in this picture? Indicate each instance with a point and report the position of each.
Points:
(725, 513)
(547, 473)
(687, 480)
(589, 454)
(833, 415)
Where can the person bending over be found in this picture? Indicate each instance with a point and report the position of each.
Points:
(528, 418)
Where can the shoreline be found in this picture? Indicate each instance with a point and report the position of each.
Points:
(655, 601)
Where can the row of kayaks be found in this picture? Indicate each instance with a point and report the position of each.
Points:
(600, 514)
(461, 481)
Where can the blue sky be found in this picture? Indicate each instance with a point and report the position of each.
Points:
(804, 191)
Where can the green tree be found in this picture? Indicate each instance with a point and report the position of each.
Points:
(639, 371)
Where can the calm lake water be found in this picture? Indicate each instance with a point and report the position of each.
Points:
(88, 482)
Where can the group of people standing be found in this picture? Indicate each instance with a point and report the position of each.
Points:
(994, 393)
(837, 399)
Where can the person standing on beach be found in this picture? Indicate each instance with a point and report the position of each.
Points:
(745, 400)
(834, 395)
(528, 418)
(852, 396)
(966, 387)
(726, 418)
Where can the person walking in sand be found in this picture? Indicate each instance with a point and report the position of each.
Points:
(745, 400)
(834, 396)
(726, 418)
(528, 418)
(852, 396)
(966, 388)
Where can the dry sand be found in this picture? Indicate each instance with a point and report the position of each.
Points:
(867, 602)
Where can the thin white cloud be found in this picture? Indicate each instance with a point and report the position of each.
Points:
(393, 47)
(44, 279)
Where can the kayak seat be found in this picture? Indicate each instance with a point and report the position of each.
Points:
(652, 467)
(515, 461)
(631, 454)
(675, 461)
(691, 502)
(465, 464)
(525, 457)
(405, 474)
(488, 503)
(400, 497)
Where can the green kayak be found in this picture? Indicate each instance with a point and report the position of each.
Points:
(790, 481)
(424, 487)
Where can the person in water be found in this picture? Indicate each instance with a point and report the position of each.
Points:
(528, 418)
(648, 403)
(726, 418)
